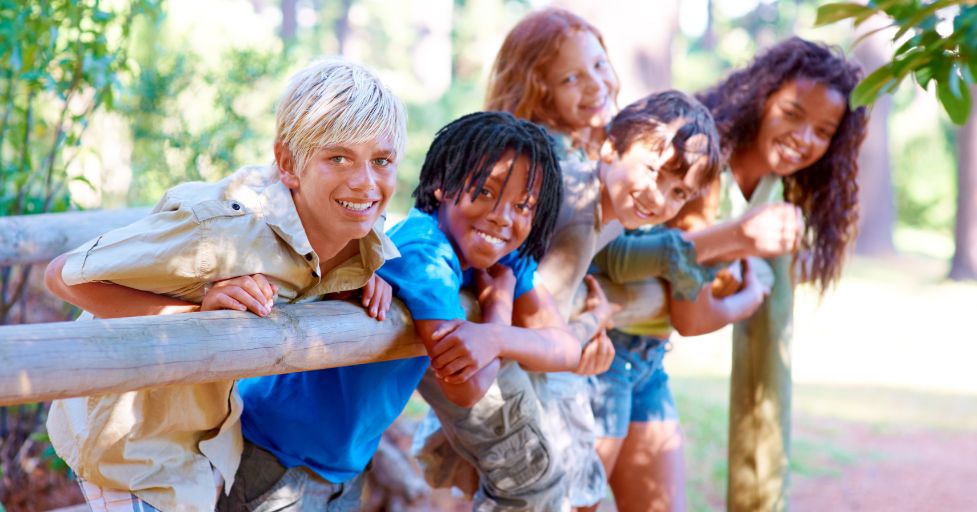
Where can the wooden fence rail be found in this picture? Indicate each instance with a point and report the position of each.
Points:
(58, 360)
(39, 238)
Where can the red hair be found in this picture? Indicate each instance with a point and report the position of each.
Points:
(516, 83)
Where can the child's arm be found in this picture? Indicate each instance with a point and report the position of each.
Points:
(108, 300)
(592, 325)
(707, 313)
(529, 331)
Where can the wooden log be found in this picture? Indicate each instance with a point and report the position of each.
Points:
(760, 401)
(38, 238)
(59, 360)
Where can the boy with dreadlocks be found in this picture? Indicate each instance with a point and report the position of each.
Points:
(488, 199)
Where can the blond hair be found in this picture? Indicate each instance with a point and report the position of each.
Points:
(334, 101)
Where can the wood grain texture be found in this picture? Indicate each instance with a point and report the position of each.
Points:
(59, 360)
(39, 238)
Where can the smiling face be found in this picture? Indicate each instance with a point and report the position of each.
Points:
(581, 83)
(341, 189)
(799, 120)
(642, 186)
(494, 223)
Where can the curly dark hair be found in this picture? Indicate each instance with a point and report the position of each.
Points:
(826, 191)
(464, 152)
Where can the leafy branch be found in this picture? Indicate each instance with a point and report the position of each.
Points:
(937, 42)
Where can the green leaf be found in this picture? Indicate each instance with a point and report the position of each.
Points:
(830, 13)
(868, 90)
(924, 74)
(954, 95)
(921, 15)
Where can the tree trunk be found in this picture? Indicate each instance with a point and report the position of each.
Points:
(289, 21)
(964, 266)
(342, 26)
(875, 170)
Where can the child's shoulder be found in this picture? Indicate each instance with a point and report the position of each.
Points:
(418, 228)
(246, 186)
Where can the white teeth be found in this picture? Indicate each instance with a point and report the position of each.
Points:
(489, 238)
(356, 207)
(791, 153)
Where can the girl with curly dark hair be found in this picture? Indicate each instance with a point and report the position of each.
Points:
(791, 142)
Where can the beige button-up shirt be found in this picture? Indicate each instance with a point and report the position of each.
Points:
(164, 443)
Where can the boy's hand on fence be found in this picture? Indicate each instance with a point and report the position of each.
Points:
(377, 294)
(253, 293)
(461, 349)
(598, 304)
(597, 355)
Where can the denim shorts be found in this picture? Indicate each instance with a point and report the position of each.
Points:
(635, 388)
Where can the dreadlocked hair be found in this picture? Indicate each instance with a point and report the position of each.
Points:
(463, 154)
(826, 191)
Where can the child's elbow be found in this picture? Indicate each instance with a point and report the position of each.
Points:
(52, 276)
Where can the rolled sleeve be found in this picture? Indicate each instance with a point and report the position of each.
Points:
(161, 253)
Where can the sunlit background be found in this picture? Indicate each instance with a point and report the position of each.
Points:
(885, 401)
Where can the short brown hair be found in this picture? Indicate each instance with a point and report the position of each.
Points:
(670, 117)
(516, 84)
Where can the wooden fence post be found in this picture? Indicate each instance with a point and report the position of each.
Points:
(760, 401)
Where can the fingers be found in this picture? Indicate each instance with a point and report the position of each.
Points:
(383, 303)
(604, 353)
(268, 290)
(231, 295)
(445, 329)
(368, 289)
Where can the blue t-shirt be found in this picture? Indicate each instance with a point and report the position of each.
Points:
(331, 420)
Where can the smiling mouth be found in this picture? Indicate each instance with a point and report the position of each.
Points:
(641, 211)
(357, 207)
(494, 240)
(791, 153)
(595, 106)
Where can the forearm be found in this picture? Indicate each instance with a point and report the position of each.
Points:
(544, 349)
(707, 313)
(660, 253)
(107, 300)
(721, 242)
(467, 393)
(584, 327)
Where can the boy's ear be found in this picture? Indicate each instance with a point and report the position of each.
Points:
(286, 165)
(607, 151)
(438, 194)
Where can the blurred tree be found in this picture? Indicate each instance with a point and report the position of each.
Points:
(61, 62)
(289, 21)
(964, 265)
(940, 47)
(877, 216)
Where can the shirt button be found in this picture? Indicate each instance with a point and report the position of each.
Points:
(235, 206)
(627, 366)
(315, 274)
(308, 257)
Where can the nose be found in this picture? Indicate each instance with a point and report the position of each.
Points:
(363, 178)
(804, 134)
(501, 215)
(594, 84)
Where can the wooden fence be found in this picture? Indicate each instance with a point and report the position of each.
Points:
(57, 360)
